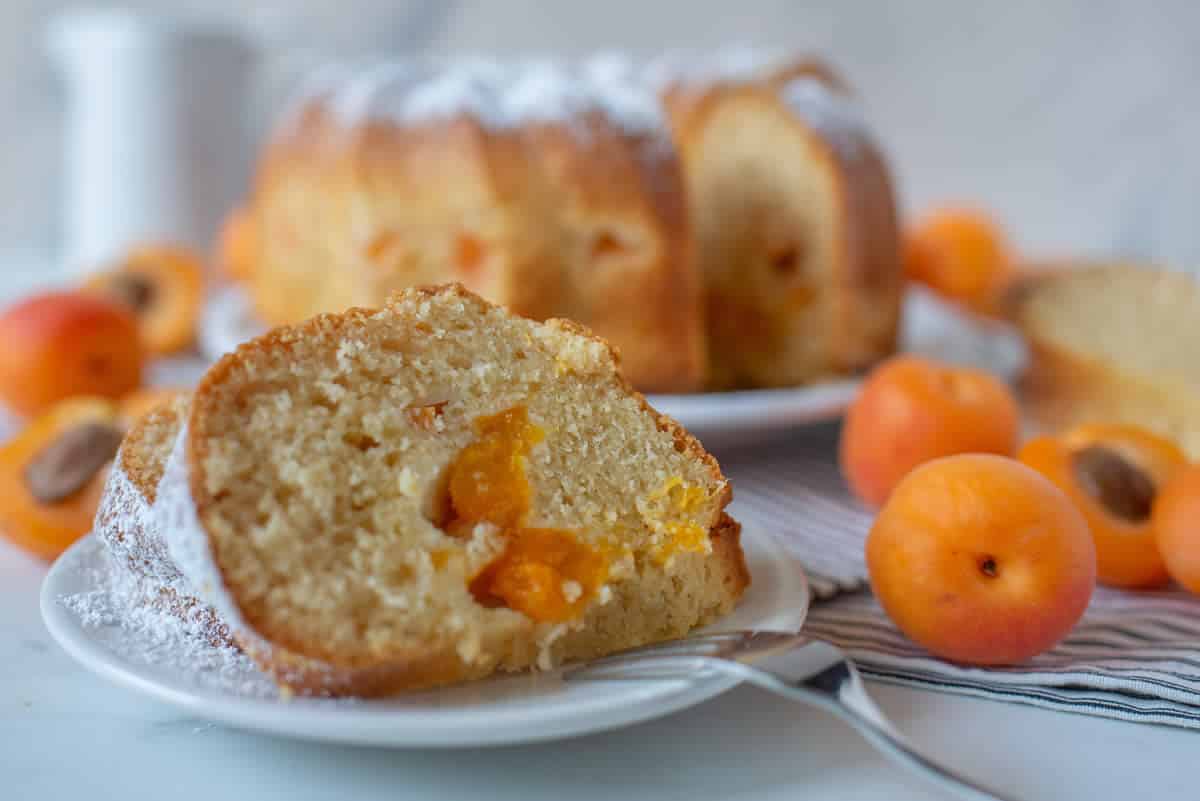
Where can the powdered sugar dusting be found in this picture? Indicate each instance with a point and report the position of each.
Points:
(733, 64)
(131, 616)
(186, 540)
(835, 117)
(127, 527)
(499, 95)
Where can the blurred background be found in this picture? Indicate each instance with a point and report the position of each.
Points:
(1075, 121)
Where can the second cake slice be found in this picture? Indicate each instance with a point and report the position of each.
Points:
(426, 493)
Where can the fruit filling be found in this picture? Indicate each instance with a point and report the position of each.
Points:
(544, 573)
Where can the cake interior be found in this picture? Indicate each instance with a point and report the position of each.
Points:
(1166, 319)
(765, 228)
(366, 477)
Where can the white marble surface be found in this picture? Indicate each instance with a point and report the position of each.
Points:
(64, 734)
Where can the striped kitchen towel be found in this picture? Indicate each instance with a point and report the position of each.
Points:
(1134, 656)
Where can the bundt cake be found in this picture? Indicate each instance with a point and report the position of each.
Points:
(429, 492)
(551, 192)
(795, 227)
(768, 258)
(1111, 343)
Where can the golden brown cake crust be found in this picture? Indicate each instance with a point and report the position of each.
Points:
(433, 664)
(142, 454)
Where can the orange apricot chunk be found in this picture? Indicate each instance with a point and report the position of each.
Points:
(1176, 519)
(487, 479)
(164, 287)
(1112, 473)
(546, 574)
(61, 344)
(52, 474)
(911, 410)
(961, 254)
(981, 560)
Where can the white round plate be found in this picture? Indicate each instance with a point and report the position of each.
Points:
(502, 711)
(721, 419)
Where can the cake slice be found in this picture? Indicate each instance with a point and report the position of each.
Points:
(389, 499)
(796, 233)
(1112, 343)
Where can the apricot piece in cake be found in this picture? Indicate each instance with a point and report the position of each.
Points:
(164, 287)
(546, 574)
(52, 474)
(62, 344)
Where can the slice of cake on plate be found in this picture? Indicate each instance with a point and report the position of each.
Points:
(430, 492)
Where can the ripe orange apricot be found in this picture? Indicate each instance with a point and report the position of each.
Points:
(61, 344)
(961, 254)
(911, 410)
(52, 474)
(981, 560)
(164, 287)
(1176, 520)
(1112, 473)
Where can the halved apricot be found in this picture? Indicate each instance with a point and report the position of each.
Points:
(546, 574)
(164, 287)
(61, 344)
(1112, 473)
(52, 474)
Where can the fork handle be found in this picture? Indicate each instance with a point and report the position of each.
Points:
(817, 672)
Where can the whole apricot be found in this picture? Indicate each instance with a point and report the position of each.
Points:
(52, 474)
(62, 344)
(961, 254)
(981, 560)
(1176, 520)
(911, 410)
(1112, 472)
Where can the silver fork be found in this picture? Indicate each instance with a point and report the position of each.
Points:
(791, 665)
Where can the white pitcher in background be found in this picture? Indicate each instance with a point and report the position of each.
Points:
(156, 146)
